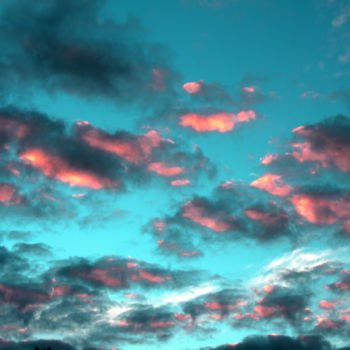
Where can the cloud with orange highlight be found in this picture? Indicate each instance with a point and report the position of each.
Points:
(180, 182)
(55, 167)
(198, 211)
(341, 286)
(118, 273)
(192, 87)
(228, 211)
(273, 184)
(283, 302)
(131, 148)
(85, 156)
(272, 220)
(327, 144)
(322, 208)
(221, 121)
(209, 92)
(218, 305)
(8, 195)
(164, 169)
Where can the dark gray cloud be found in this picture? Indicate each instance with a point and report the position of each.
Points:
(280, 342)
(288, 303)
(41, 153)
(230, 213)
(65, 46)
(34, 344)
(118, 273)
(64, 295)
(38, 249)
(324, 145)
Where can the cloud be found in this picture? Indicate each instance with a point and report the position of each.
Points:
(192, 87)
(56, 167)
(180, 182)
(266, 218)
(209, 92)
(126, 146)
(33, 344)
(342, 285)
(221, 121)
(64, 296)
(325, 304)
(116, 273)
(341, 19)
(84, 156)
(271, 342)
(67, 47)
(8, 195)
(311, 172)
(321, 208)
(273, 184)
(283, 302)
(200, 212)
(326, 143)
(38, 249)
(230, 213)
(301, 266)
(163, 169)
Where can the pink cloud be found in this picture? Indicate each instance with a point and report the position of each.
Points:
(264, 311)
(269, 288)
(266, 218)
(163, 169)
(182, 317)
(7, 193)
(149, 276)
(134, 150)
(160, 226)
(268, 159)
(188, 253)
(272, 184)
(220, 306)
(320, 210)
(182, 182)
(61, 290)
(193, 87)
(228, 184)
(342, 285)
(56, 167)
(100, 275)
(249, 89)
(327, 323)
(132, 295)
(217, 316)
(330, 150)
(162, 324)
(324, 304)
(197, 214)
(344, 318)
(221, 122)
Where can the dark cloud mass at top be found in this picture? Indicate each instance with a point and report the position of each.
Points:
(67, 46)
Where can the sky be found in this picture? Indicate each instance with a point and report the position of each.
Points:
(175, 174)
